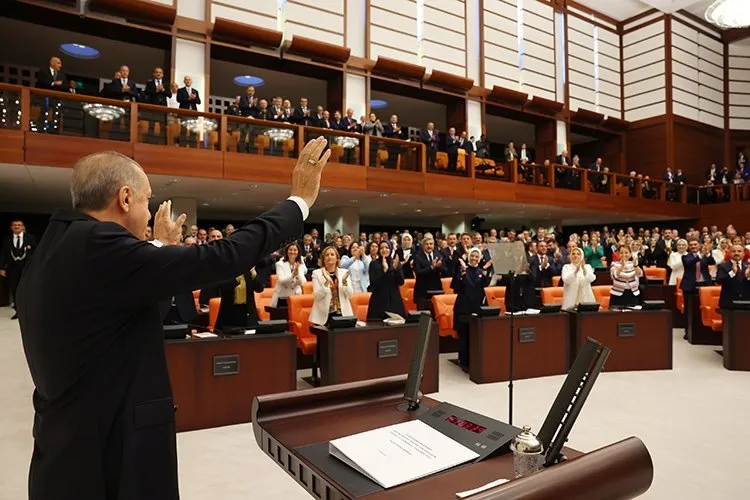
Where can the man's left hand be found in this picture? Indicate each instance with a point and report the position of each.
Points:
(165, 229)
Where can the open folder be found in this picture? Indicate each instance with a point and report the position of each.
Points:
(394, 319)
(400, 453)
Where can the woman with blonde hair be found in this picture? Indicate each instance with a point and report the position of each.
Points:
(332, 289)
(674, 262)
(577, 277)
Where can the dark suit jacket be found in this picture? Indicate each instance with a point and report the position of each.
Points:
(114, 90)
(246, 107)
(431, 142)
(689, 262)
(389, 131)
(261, 114)
(559, 160)
(351, 125)
(658, 257)
(669, 178)
(184, 309)
(45, 80)
(151, 96)
(466, 146)
(384, 289)
(7, 249)
(92, 335)
(451, 144)
(427, 277)
(543, 277)
(733, 288)
(238, 315)
(184, 99)
(298, 116)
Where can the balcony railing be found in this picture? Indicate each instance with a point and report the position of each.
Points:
(43, 111)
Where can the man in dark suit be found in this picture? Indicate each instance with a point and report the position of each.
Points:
(451, 147)
(394, 130)
(431, 139)
(156, 93)
(563, 158)
(525, 153)
(15, 253)
(123, 88)
(465, 144)
(52, 78)
(187, 96)
(104, 424)
(734, 278)
(310, 253)
(596, 179)
(350, 123)
(301, 114)
(428, 269)
(696, 263)
(543, 267)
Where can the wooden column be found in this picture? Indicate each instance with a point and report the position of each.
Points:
(546, 140)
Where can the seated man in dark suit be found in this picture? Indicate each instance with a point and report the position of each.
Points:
(431, 139)
(428, 269)
(734, 278)
(696, 263)
(187, 96)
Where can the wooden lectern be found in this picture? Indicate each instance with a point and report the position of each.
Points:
(283, 423)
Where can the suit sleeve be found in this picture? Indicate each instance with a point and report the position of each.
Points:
(138, 273)
(722, 274)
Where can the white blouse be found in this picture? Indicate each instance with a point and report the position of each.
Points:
(577, 285)
(675, 264)
(286, 283)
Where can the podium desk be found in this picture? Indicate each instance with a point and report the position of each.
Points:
(640, 340)
(284, 424)
(736, 339)
(373, 351)
(697, 332)
(540, 347)
(214, 380)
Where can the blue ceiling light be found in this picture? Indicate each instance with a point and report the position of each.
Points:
(378, 104)
(79, 51)
(248, 81)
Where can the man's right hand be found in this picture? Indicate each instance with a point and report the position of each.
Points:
(307, 172)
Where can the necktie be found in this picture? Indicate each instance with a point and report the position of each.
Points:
(429, 256)
(158, 82)
(698, 274)
(18, 241)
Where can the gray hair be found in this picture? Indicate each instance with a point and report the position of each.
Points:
(99, 176)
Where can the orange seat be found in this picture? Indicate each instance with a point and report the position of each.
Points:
(213, 312)
(552, 295)
(273, 281)
(262, 300)
(495, 297)
(443, 306)
(407, 295)
(556, 280)
(708, 296)
(602, 294)
(446, 282)
(307, 288)
(299, 322)
(680, 298)
(360, 303)
(197, 298)
(653, 272)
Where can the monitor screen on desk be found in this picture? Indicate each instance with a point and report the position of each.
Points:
(418, 357)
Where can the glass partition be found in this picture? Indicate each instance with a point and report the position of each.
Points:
(692, 194)
(600, 182)
(345, 147)
(246, 135)
(401, 155)
(178, 128)
(10, 109)
(79, 115)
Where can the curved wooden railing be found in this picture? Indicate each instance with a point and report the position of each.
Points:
(380, 152)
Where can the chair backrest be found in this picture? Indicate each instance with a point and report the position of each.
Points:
(708, 296)
(407, 296)
(197, 298)
(408, 283)
(446, 282)
(495, 296)
(274, 279)
(214, 305)
(653, 272)
(360, 303)
(307, 288)
(706, 293)
(602, 294)
(679, 297)
(552, 295)
(299, 312)
(262, 300)
(556, 280)
(443, 306)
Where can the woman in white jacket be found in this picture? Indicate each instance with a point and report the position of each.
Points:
(290, 275)
(358, 265)
(332, 289)
(577, 277)
(719, 254)
(674, 261)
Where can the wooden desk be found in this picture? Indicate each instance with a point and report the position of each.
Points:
(667, 294)
(351, 354)
(282, 423)
(603, 276)
(540, 347)
(697, 332)
(736, 340)
(640, 340)
(266, 364)
(278, 312)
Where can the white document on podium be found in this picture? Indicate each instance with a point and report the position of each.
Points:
(400, 453)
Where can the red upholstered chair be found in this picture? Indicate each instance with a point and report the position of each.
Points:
(360, 303)
(213, 312)
(407, 295)
(262, 300)
(602, 294)
(556, 280)
(680, 298)
(495, 297)
(552, 295)
(446, 282)
(299, 322)
(653, 272)
(708, 296)
(443, 306)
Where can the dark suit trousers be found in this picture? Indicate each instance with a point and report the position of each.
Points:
(452, 160)
(14, 277)
(431, 157)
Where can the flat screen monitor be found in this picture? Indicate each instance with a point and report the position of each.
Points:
(653, 305)
(418, 357)
(271, 326)
(339, 322)
(588, 307)
(550, 308)
(489, 311)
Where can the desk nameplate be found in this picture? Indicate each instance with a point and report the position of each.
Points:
(387, 348)
(526, 335)
(626, 329)
(227, 364)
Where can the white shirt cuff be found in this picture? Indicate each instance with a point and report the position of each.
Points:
(302, 204)
(731, 274)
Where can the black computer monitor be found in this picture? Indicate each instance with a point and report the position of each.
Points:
(550, 308)
(176, 332)
(271, 326)
(653, 305)
(416, 367)
(339, 322)
(489, 311)
(588, 307)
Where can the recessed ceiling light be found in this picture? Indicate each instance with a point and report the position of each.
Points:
(206, 204)
(248, 81)
(79, 51)
(325, 190)
(378, 104)
(254, 185)
(417, 210)
(404, 204)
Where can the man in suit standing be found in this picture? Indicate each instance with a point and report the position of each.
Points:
(524, 153)
(596, 179)
(393, 130)
(104, 425)
(301, 114)
(431, 139)
(51, 78)
(14, 255)
(123, 88)
(543, 267)
(156, 93)
(510, 152)
(696, 263)
(734, 278)
(465, 144)
(248, 109)
(428, 269)
(451, 147)
(310, 253)
(187, 96)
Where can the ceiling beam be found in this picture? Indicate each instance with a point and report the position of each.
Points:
(735, 34)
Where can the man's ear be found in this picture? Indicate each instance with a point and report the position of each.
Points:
(125, 198)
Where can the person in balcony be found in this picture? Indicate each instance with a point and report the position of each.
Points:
(465, 144)
(332, 289)
(386, 276)
(287, 112)
(394, 130)
(350, 124)
(187, 96)
(451, 147)
(510, 152)
(431, 139)
(172, 102)
(375, 128)
(338, 122)
(301, 115)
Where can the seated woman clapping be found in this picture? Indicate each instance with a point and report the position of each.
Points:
(577, 277)
(332, 289)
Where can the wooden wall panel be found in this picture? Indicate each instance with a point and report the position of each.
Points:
(723, 214)
(245, 167)
(697, 146)
(64, 151)
(178, 161)
(388, 180)
(647, 149)
(11, 146)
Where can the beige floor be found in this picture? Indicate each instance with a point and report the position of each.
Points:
(693, 420)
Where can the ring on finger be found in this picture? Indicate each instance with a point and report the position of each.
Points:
(311, 161)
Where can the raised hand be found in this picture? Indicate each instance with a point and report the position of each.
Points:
(735, 267)
(385, 264)
(487, 265)
(166, 230)
(345, 278)
(395, 262)
(307, 172)
(437, 263)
